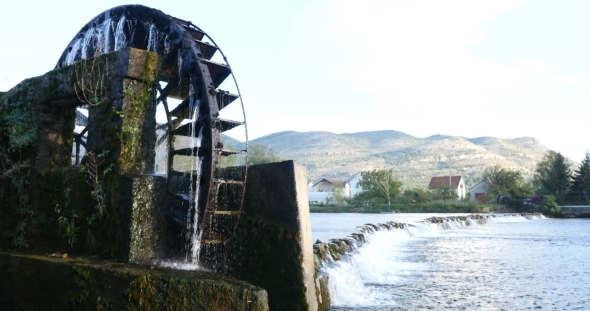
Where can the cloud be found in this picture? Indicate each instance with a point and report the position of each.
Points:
(563, 79)
(534, 67)
(411, 56)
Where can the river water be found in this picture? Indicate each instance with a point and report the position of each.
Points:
(510, 263)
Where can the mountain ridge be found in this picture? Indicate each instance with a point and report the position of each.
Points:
(414, 160)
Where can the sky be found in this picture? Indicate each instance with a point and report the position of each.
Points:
(466, 68)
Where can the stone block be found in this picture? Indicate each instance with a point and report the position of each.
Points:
(273, 247)
(142, 206)
(29, 282)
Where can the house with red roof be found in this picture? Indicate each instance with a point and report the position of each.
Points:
(454, 182)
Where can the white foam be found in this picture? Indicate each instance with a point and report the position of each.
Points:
(361, 277)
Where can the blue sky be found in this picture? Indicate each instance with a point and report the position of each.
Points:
(469, 68)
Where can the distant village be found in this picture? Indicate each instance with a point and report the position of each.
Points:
(555, 183)
(324, 190)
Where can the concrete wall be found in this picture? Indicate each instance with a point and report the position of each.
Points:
(29, 282)
(273, 248)
(319, 197)
(575, 211)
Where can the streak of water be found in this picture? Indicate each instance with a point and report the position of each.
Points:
(194, 230)
(120, 37)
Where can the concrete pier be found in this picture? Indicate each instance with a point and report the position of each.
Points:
(273, 247)
(578, 211)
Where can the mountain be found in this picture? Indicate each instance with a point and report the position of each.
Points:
(414, 160)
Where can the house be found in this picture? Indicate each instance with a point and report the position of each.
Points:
(354, 185)
(479, 191)
(454, 182)
(323, 190)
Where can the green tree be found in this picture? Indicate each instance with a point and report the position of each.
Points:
(549, 206)
(581, 178)
(380, 184)
(553, 175)
(445, 193)
(505, 181)
(417, 195)
(337, 195)
(260, 154)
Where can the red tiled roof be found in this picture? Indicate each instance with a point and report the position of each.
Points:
(443, 181)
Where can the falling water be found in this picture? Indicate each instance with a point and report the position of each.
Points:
(87, 49)
(152, 39)
(104, 36)
(120, 37)
(194, 237)
(71, 57)
(395, 269)
(100, 37)
(113, 35)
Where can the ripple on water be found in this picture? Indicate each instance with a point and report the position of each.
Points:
(539, 264)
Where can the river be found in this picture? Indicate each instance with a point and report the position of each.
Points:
(510, 263)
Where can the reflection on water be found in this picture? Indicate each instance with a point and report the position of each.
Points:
(510, 264)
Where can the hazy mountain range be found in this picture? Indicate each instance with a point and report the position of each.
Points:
(414, 160)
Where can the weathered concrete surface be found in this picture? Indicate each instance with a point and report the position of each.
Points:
(273, 247)
(143, 226)
(582, 211)
(30, 282)
(39, 198)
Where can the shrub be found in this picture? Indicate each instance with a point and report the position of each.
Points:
(549, 206)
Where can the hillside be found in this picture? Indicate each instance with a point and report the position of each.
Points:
(413, 159)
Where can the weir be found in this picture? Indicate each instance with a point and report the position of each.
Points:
(338, 271)
(335, 249)
(114, 197)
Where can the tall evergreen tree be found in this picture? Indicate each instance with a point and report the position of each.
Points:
(553, 175)
(581, 178)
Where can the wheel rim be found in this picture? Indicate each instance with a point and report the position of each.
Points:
(215, 196)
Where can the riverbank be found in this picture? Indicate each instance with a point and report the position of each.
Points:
(432, 207)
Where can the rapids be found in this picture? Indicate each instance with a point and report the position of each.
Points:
(505, 263)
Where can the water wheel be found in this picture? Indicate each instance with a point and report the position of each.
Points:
(205, 196)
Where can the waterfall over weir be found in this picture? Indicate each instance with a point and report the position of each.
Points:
(362, 269)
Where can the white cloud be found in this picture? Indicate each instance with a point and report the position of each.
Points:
(410, 55)
(533, 66)
(563, 79)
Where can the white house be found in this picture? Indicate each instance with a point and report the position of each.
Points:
(455, 182)
(479, 191)
(323, 190)
(354, 185)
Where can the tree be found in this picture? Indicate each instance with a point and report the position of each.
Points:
(505, 181)
(550, 207)
(417, 195)
(445, 193)
(380, 183)
(337, 195)
(260, 154)
(553, 175)
(581, 178)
